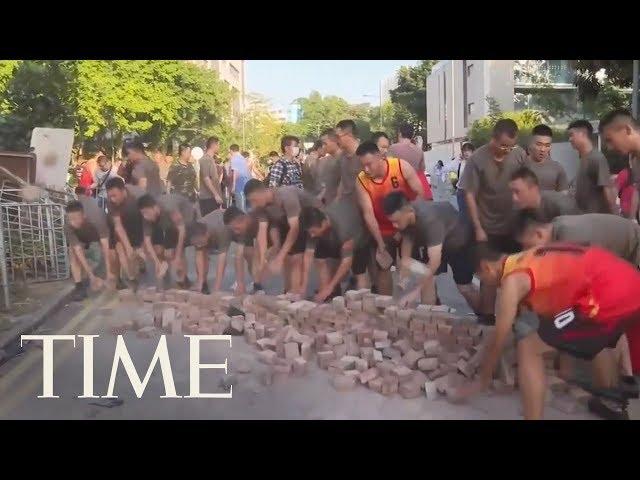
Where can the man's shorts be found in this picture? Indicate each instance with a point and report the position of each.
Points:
(169, 238)
(504, 243)
(208, 205)
(325, 248)
(461, 263)
(300, 243)
(87, 241)
(393, 248)
(570, 331)
(133, 225)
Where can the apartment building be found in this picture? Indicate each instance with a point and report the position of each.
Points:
(231, 72)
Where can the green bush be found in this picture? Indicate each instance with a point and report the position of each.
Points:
(480, 131)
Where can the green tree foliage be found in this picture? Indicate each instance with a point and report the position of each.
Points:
(480, 131)
(263, 130)
(619, 74)
(160, 100)
(410, 98)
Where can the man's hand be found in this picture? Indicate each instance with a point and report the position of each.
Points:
(218, 199)
(481, 235)
(412, 296)
(466, 391)
(96, 282)
(322, 294)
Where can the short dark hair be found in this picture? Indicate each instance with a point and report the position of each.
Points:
(331, 133)
(211, 141)
(505, 126)
(146, 201)
(317, 145)
(197, 229)
(311, 217)
(288, 140)
(620, 114)
(115, 182)
(79, 190)
(406, 130)
(393, 202)
(102, 158)
(375, 136)
(582, 125)
(133, 144)
(253, 185)
(245, 154)
(482, 251)
(366, 148)
(542, 130)
(273, 153)
(231, 213)
(530, 217)
(234, 148)
(348, 125)
(74, 206)
(182, 147)
(467, 146)
(525, 174)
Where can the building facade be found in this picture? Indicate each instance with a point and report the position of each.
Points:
(232, 72)
(386, 85)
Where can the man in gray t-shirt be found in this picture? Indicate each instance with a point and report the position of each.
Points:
(210, 194)
(447, 238)
(86, 223)
(172, 215)
(551, 175)
(210, 235)
(337, 232)
(594, 191)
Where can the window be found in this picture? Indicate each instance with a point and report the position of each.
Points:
(469, 70)
(470, 108)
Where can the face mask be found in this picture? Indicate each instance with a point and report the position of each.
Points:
(296, 151)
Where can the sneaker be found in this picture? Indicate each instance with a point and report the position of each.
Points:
(607, 409)
(205, 288)
(257, 287)
(79, 293)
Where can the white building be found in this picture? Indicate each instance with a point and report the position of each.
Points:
(232, 72)
(387, 84)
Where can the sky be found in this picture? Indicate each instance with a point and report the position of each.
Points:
(282, 81)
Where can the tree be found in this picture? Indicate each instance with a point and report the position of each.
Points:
(589, 75)
(263, 130)
(411, 94)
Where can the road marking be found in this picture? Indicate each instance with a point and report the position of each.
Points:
(32, 382)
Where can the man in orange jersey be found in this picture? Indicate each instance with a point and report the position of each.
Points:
(380, 176)
(586, 298)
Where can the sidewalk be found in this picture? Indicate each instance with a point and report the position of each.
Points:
(40, 302)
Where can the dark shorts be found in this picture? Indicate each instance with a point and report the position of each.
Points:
(168, 238)
(208, 205)
(393, 248)
(504, 243)
(572, 332)
(300, 243)
(86, 241)
(325, 248)
(461, 262)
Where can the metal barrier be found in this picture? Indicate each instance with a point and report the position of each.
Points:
(33, 246)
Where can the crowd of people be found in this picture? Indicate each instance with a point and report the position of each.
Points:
(565, 262)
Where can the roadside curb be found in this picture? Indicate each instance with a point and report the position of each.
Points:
(29, 322)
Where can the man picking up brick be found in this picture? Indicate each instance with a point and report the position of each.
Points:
(87, 223)
(586, 298)
(280, 207)
(447, 238)
(338, 232)
(211, 235)
(172, 214)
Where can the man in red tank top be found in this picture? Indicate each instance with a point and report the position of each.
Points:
(380, 176)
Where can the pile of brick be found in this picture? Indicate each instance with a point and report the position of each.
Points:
(360, 339)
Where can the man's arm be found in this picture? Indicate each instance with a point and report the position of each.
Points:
(221, 265)
(411, 177)
(121, 233)
(435, 258)
(233, 181)
(239, 269)
(635, 203)
(142, 183)
(562, 184)
(611, 195)
(104, 245)
(178, 221)
(290, 239)
(369, 217)
(512, 290)
(472, 207)
(262, 245)
(79, 251)
(307, 260)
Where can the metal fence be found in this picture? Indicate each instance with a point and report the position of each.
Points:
(33, 247)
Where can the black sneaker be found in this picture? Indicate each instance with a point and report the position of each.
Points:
(257, 287)
(79, 293)
(486, 319)
(205, 288)
(607, 409)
